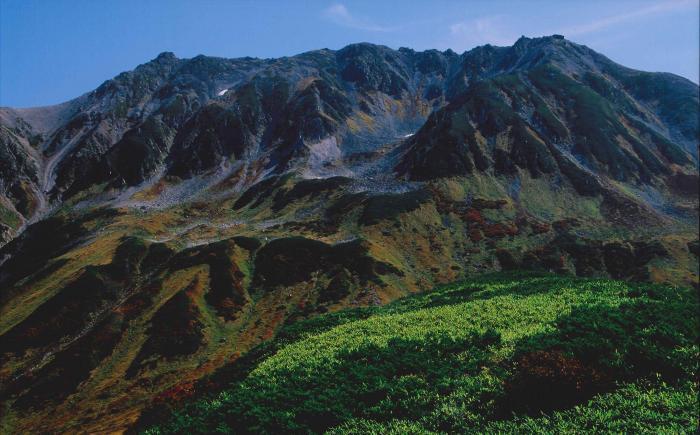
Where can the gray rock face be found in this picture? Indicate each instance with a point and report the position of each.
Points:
(19, 175)
(543, 120)
(564, 108)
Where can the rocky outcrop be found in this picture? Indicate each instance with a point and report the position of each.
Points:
(545, 105)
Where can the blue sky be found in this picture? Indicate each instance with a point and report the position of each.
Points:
(54, 50)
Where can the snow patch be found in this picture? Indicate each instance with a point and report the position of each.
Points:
(220, 93)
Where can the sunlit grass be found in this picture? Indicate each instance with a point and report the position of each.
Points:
(445, 361)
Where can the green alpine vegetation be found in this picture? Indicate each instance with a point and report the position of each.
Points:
(506, 353)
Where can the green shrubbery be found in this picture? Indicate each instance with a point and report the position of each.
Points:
(498, 354)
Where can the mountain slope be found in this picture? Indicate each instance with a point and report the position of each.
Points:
(242, 195)
(499, 354)
(243, 118)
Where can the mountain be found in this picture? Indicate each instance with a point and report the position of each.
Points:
(161, 226)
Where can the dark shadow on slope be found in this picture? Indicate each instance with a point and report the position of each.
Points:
(305, 188)
(65, 314)
(226, 291)
(258, 192)
(288, 261)
(81, 323)
(42, 241)
(595, 347)
(371, 381)
(175, 331)
(61, 376)
(390, 205)
(230, 375)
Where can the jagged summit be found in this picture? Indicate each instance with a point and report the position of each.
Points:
(166, 56)
(143, 123)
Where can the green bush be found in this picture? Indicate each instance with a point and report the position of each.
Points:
(470, 357)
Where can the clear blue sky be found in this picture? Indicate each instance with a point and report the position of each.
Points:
(54, 50)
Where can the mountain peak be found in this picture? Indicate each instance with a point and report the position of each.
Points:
(166, 55)
(543, 41)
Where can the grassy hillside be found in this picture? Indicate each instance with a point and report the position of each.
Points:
(503, 353)
(233, 272)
